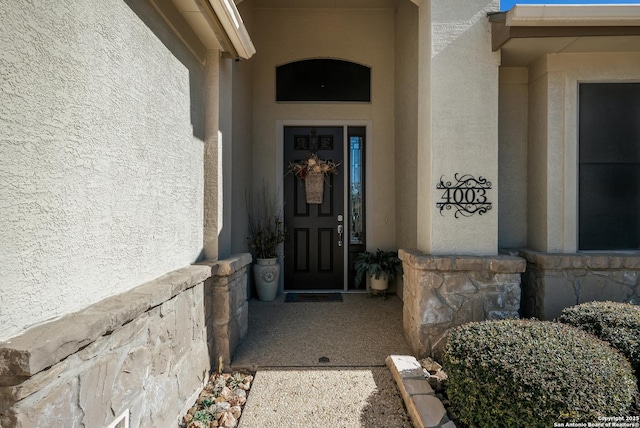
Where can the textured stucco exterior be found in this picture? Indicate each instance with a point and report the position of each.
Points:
(406, 122)
(241, 145)
(463, 137)
(101, 155)
(512, 157)
(424, 155)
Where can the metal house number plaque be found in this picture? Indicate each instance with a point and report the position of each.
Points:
(467, 195)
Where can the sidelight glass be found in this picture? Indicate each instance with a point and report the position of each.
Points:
(356, 189)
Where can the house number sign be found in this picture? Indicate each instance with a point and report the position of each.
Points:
(467, 195)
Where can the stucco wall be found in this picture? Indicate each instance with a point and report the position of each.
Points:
(100, 155)
(406, 122)
(537, 165)
(242, 146)
(227, 165)
(553, 140)
(464, 121)
(512, 157)
(364, 36)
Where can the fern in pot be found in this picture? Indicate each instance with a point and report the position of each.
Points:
(380, 266)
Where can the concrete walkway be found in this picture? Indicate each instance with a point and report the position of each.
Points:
(295, 386)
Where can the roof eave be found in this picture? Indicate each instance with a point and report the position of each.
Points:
(537, 21)
(204, 25)
(577, 15)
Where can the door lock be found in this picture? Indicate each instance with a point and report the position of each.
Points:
(340, 233)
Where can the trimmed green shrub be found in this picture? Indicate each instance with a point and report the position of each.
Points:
(517, 373)
(615, 323)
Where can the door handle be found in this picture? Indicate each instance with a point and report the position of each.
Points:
(340, 232)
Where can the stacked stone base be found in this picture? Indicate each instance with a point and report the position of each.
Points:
(228, 306)
(557, 281)
(145, 353)
(442, 292)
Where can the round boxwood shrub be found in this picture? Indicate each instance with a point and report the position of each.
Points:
(615, 323)
(517, 373)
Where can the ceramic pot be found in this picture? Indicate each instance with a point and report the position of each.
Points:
(381, 283)
(266, 273)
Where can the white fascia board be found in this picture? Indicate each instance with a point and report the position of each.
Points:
(231, 21)
(581, 15)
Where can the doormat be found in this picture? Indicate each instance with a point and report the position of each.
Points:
(312, 297)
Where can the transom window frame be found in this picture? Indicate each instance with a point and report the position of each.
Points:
(351, 83)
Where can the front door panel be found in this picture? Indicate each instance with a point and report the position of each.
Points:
(314, 248)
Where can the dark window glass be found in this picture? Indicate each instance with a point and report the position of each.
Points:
(609, 166)
(323, 80)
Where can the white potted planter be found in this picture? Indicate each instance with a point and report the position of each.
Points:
(266, 233)
(266, 273)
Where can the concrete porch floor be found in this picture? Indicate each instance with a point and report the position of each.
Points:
(360, 331)
(292, 388)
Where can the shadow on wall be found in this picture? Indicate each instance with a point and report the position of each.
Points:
(147, 14)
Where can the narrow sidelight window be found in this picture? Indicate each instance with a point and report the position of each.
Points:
(356, 210)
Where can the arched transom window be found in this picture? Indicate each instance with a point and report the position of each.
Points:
(323, 80)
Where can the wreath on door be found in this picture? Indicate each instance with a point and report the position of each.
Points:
(313, 170)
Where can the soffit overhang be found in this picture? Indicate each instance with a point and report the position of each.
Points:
(527, 32)
(324, 4)
(205, 25)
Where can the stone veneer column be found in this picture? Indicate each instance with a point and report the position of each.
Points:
(557, 281)
(228, 308)
(442, 292)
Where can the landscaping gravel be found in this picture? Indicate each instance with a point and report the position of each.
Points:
(220, 403)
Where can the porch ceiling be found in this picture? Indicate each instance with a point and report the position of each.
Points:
(525, 33)
(326, 4)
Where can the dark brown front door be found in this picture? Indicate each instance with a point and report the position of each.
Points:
(314, 249)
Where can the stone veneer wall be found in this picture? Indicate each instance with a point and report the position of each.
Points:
(553, 282)
(147, 352)
(442, 292)
(229, 318)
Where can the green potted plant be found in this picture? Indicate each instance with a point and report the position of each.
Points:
(380, 266)
(266, 233)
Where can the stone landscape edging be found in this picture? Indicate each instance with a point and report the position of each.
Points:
(424, 407)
